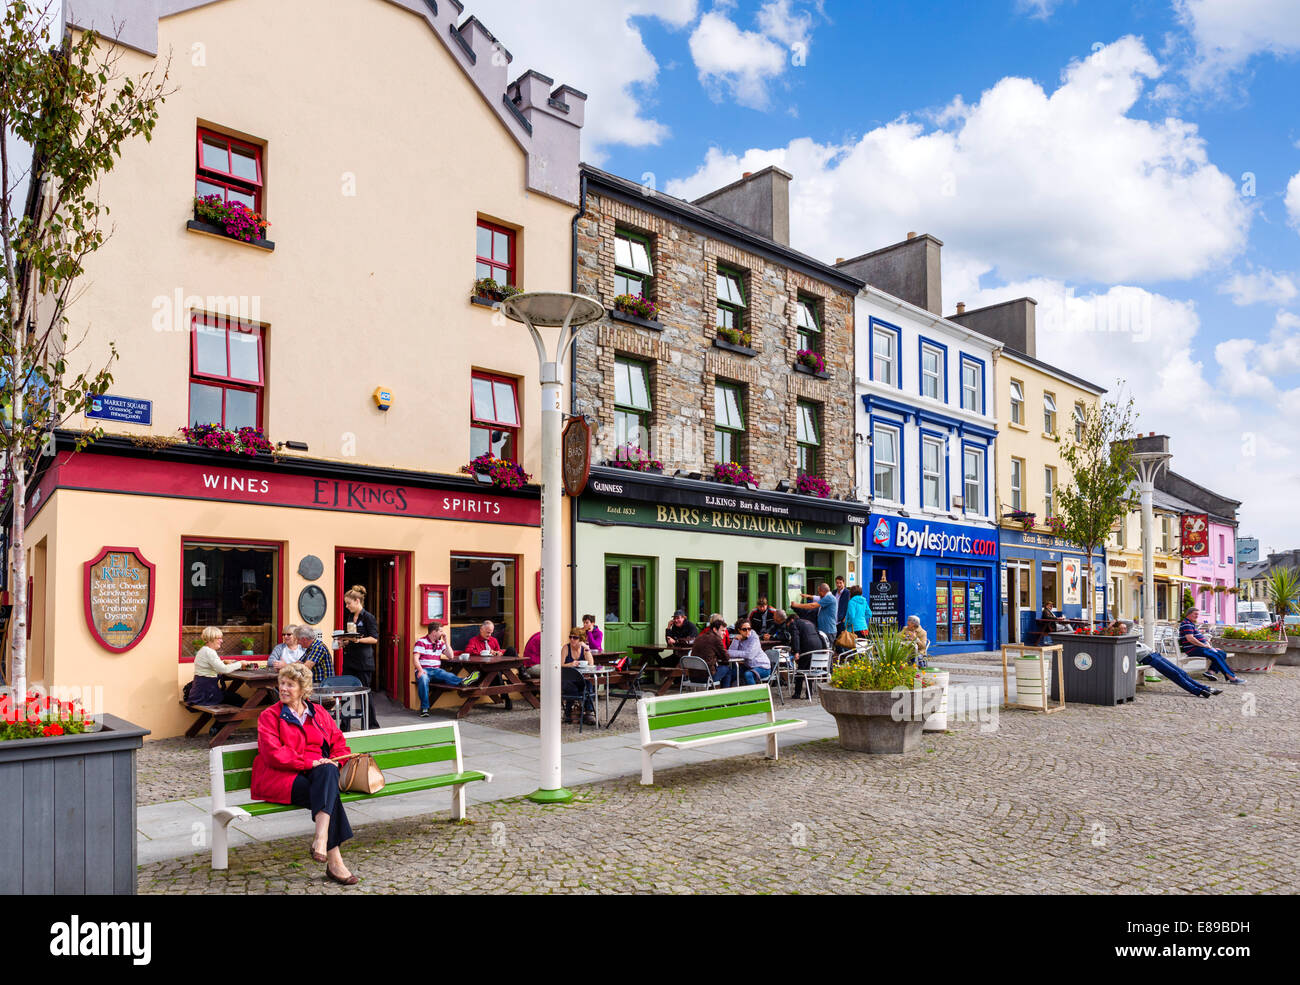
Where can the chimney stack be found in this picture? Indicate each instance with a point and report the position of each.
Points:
(759, 201)
(908, 270)
(961, 307)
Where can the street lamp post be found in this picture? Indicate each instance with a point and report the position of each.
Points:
(1148, 461)
(568, 313)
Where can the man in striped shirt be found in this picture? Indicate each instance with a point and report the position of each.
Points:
(429, 651)
(315, 655)
(1193, 643)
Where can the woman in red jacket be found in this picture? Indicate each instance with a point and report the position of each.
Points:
(298, 746)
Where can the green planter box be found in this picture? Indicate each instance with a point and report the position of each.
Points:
(67, 812)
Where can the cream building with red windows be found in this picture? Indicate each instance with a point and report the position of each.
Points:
(398, 157)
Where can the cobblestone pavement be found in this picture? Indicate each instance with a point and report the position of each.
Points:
(1169, 794)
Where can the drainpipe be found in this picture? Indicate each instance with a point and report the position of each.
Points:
(573, 406)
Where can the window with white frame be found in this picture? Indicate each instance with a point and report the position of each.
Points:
(931, 371)
(632, 266)
(884, 356)
(1049, 413)
(973, 480)
(972, 386)
(1080, 422)
(1017, 484)
(932, 481)
(1049, 489)
(884, 451)
(1017, 402)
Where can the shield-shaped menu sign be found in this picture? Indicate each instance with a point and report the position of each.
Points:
(119, 597)
(575, 445)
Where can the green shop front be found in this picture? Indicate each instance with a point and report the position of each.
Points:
(646, 545)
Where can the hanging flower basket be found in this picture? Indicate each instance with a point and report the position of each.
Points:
(504, 474)
(812, 485)
(1055, 524)
(245, 441)
(733, 474)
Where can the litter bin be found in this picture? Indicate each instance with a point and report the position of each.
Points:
(1099, 670)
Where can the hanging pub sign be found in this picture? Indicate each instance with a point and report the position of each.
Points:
(1195, 530)
(119, 593)
(575, 459)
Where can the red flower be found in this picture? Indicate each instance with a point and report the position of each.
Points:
(53, 730)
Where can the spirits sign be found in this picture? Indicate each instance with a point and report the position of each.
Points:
(119, 593)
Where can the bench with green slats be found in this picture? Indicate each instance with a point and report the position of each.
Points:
(412, 745)
(719, 706)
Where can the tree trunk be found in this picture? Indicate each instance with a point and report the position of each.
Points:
(18, 589)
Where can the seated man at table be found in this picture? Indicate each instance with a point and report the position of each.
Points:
(804, 639)
(428, 651)
(315, 655)
(681, 630)
(708, 647)
(762, 617)
(484, 644)
(747, 644)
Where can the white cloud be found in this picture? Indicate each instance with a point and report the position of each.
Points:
(742, 64)
(1021, 180)
(1228, 33)
(781, 22)
(1042, 9)
(597, 48)
(1293, 200)
(1260, 286)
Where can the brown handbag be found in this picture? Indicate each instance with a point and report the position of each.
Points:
(846, 640)
(360, 774)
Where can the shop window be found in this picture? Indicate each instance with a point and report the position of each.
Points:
(229, 169)
(494, 249)
(808, 438)
(729, 423)
(484, 588)
(232, 585)
(632, 403)
(932, 478)
(731, 299)
(226, 379)
(1017, 402)
(494, 417)
(1049, 490)
(884, 454)
(632, 266)
(809, 325)
(932, 370)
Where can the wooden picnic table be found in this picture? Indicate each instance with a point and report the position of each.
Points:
(662, 658)
(262, 685)
(499, 679)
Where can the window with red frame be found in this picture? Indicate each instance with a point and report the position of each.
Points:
(495, 249)
(494, 417)
(229, 169)
(226, 378)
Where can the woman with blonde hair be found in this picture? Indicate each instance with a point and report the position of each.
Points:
(359, 655)
(297, 762)
(206, 688)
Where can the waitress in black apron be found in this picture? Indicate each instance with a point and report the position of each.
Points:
(359, 655)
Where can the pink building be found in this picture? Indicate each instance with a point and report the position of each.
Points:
(1219, 569)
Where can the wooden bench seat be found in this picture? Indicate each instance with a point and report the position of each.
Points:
(701, 707)
(231, 769)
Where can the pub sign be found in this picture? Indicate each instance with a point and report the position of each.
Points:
(119, 597)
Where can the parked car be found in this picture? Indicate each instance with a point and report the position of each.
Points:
(1253, 614)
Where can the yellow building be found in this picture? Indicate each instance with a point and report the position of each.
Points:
(397, 163)
(1124, 562)
(1035, 402)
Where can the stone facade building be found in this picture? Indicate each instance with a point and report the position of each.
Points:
(713, 376)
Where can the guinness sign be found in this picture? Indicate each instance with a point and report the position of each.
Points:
(575, 455)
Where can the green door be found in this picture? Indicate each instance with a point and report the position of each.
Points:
(695, 590)
(629, 601)
(752, 581)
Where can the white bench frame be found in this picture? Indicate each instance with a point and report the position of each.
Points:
(223, 814)
(650, 746)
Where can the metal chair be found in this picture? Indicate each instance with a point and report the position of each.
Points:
(690, 664)
(632, 689)
(350, 709)
(818, 670)
(781, 667)
(576, 688)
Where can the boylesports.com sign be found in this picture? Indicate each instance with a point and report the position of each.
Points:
(891, 533)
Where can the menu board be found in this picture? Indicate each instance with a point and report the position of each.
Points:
(958, 611)
(884, 602)
(975, 608)
(941, 612)
(119, 589)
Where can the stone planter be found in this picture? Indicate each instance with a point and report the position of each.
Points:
(1250, 656)
(880, 721)
(67, 812)
(938, 722)
(1099, 670)
(1292, 656)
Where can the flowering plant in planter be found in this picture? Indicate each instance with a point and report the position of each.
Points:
(1266, 634)
(236, 218)
(504, 474)
(486, 287)
(812, 485)
(888, 667)
(41, 717)
(1099, 631)
(812, 359)
(733, 474)
(1055, 524)
(245, 441)
(631, 457)
(735, 336)
(635, 304)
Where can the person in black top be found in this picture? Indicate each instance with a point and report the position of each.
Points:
(681, 630)
(762, 618)
(359, 656)
(804, 638)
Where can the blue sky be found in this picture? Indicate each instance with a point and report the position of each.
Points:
(1126, 164)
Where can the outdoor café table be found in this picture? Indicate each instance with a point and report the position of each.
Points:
(262, 685)
(598, 674)
(337, 694)
(499, 678)
(657, 659)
